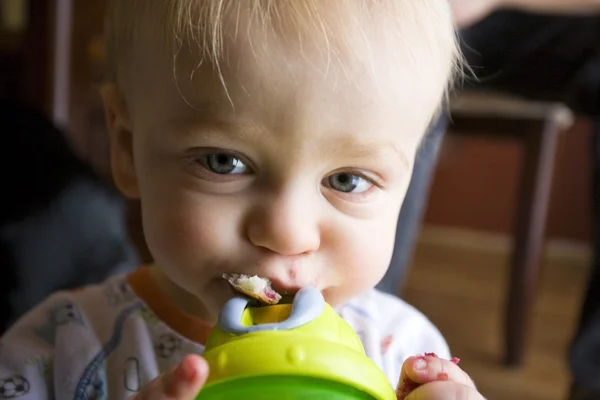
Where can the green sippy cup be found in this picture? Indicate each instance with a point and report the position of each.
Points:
(302, 350)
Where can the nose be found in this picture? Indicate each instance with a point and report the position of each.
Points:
(286, 224)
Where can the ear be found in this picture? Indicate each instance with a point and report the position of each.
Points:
(121, 140)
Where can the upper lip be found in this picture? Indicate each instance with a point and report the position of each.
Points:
(285, 288)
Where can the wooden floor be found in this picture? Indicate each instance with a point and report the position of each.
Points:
(461, 291)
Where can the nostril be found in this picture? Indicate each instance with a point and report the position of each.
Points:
(286, 233)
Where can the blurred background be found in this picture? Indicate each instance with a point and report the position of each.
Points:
(501, 281)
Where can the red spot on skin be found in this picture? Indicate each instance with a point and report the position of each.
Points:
(187, 370)
(315, 281)
(386, 343)
(442, 376)
(455, 360)
(431, 355)
(406, 388)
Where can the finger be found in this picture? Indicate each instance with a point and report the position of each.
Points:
(446, 390)
(181, 383)
(186, 380)
(405, 384)
(430, 368)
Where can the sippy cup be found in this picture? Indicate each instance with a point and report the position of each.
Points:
(302, 350)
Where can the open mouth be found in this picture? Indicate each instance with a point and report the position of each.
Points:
(256, 288)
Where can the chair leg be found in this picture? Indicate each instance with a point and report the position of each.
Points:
(530, 224)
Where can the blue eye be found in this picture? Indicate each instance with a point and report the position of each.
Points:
(224, 164)
(346, 182)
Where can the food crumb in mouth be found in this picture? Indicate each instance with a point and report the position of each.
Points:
(255, 287)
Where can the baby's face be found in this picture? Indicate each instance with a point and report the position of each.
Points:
(292, 174)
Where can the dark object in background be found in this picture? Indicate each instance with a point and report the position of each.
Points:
(548, 58)
(584, 357)
(552, 58)
(61, 227)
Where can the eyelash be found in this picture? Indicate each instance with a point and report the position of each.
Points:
(207, 163)
(201, 163)
(353, 173)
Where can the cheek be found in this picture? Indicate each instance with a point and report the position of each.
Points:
(188, 231)
(363, 256)
(373, 252)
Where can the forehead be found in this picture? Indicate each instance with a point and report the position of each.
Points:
(264, 82)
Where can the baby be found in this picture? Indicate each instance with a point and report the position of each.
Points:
(273, 138)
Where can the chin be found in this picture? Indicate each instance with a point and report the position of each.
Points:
(339, 295)
(334, 298)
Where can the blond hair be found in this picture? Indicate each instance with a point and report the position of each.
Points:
(337, 28)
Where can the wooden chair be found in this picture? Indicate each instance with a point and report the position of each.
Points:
(536, 127)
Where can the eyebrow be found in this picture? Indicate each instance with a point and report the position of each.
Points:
(367, 150)
(252, 133)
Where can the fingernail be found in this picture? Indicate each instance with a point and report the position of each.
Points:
(420, 364)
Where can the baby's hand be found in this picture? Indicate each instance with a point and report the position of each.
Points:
(431, 378)
(183, 382)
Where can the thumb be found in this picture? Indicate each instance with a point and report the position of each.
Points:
(182, 382)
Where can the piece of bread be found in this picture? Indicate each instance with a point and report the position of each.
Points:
(254, 286)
